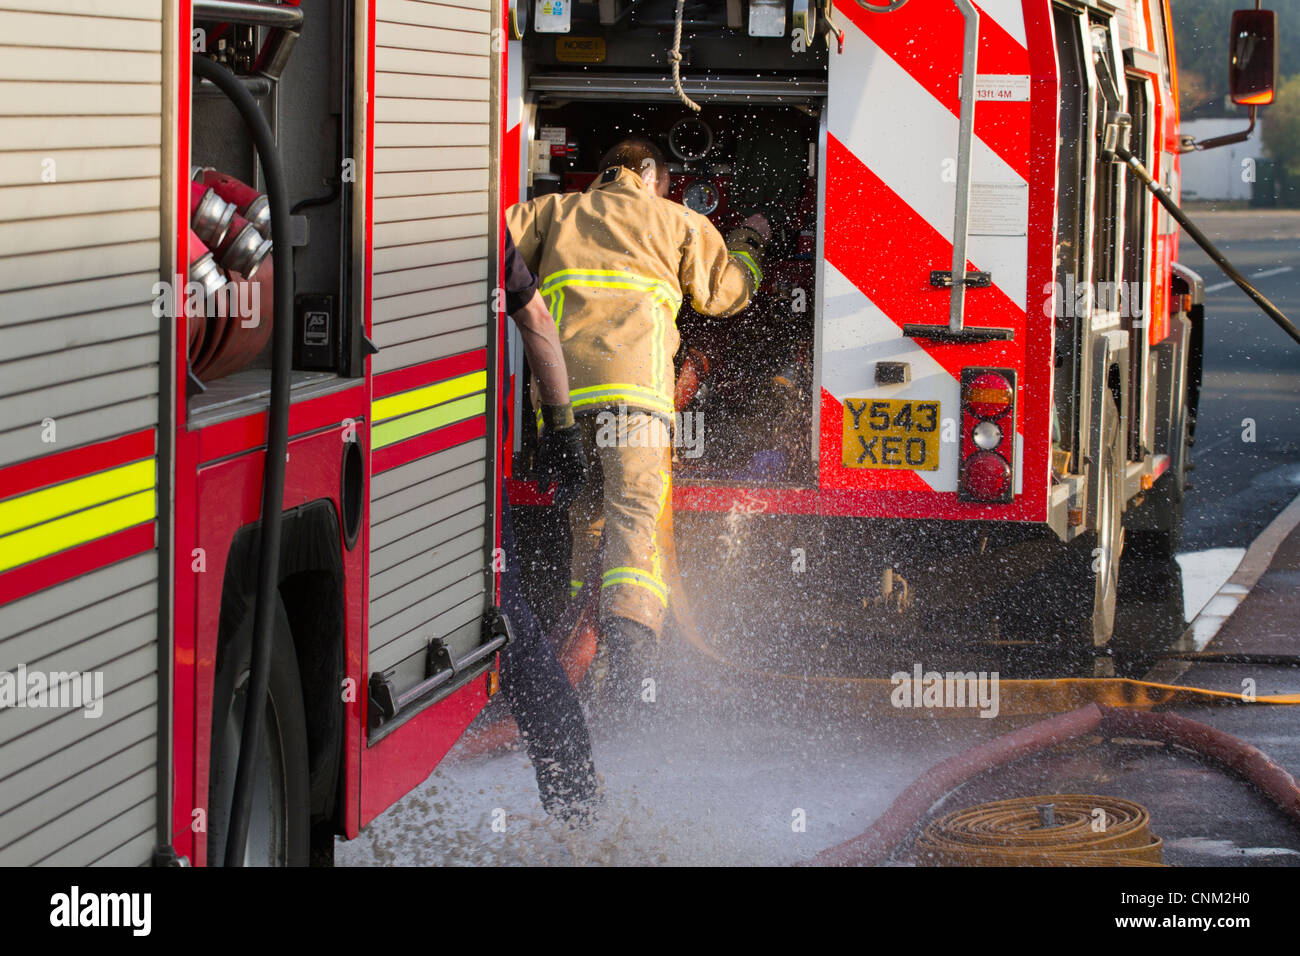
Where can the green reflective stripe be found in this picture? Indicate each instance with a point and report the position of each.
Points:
(608, 279)
(555, 305)
(633, 576)
(620, 393)
(635, 582)
(650, 579)
(22, 547)
(32, 508)
(657, 347)
(417, 399)
(411, 425)
(574, 587)
(750, 264)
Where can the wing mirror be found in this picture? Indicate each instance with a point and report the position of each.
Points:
(1252, 57)
(1252, 71)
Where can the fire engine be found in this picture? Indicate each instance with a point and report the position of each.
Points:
(971, 373)
(251, 365)
(250, 378)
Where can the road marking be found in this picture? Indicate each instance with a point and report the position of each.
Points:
(1258, 275)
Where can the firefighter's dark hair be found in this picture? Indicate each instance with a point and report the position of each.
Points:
(634, 153)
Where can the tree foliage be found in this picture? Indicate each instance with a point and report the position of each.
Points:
(1201, 41)
(1282, 129)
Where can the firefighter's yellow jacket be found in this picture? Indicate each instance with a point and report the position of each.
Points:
(614, 264)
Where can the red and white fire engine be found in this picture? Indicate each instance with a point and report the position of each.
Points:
(973, 332)
(251, 369)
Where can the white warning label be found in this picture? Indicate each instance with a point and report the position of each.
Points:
(1000, 88)
(998, 209)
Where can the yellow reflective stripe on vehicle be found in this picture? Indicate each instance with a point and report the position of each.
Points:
(417, 399)
(750, 264)
(60, 534)
(38, 506)
(412, 425)
(637, 578)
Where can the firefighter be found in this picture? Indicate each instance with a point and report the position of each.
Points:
(615, 262)
(542, 701)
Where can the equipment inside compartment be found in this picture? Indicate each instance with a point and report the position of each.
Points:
(298, 67)
(746, 378)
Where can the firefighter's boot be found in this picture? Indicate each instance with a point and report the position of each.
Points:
(631, 653)
(569, 789)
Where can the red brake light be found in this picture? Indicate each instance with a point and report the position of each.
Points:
(987, 476)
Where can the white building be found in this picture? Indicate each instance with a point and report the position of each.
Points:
(1227, 172)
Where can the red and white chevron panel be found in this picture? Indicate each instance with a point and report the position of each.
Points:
(891, 171)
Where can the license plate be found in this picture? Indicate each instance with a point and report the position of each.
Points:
(885, 433)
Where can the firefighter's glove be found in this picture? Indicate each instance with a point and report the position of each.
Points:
(560, 457)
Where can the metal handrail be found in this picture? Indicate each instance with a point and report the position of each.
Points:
(249, 13)
(965, 143)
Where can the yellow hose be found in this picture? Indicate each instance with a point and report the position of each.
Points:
(1088, 830)
(1015, 697)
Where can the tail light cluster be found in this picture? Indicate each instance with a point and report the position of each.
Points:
(988, 434)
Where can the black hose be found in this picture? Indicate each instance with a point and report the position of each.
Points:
(1202, 240)
(277, 445)
(1233, 657)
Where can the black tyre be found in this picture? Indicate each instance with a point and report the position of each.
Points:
(1108, 538)
(1165, 502)
(1084, 593)
(278, 832)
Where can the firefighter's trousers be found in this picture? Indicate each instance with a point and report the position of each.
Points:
(626, 502)
(542, 702)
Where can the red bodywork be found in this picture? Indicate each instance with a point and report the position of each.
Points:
(217, 492)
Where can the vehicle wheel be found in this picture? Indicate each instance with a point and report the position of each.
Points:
(1082, 605)
(1166, 503)
(278, 832)
(1108, 544)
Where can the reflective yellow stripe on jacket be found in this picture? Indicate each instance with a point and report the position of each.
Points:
(664, 308)
(749, 264)
(636, 578)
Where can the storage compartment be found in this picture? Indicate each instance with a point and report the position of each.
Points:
(297, 63)
(745, 395)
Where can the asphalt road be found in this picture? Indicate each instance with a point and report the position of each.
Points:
(1252, 374)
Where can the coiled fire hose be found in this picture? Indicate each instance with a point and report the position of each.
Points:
(277, 445)
(878, 842)
(1071, 829)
